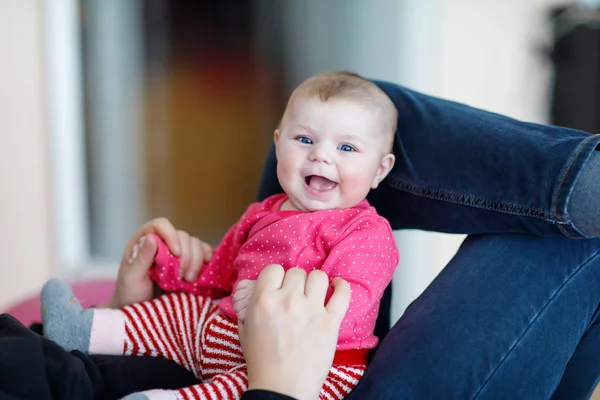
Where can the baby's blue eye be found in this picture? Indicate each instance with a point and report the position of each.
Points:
(346, 147)
(304, 139)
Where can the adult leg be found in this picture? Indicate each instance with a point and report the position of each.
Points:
(35, 368)
(464, 170)
(512, 316)
(123, 375)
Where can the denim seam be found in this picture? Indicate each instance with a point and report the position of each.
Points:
(572, 231)
(568, 233)
(534, 319)
(485, 203)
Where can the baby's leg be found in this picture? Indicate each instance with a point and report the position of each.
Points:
(241, 297)
(340, 381)
(228, 386)
(164, 327)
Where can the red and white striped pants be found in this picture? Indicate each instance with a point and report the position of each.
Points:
(191, 331)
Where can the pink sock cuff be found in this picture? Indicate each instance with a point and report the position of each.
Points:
(108, 332)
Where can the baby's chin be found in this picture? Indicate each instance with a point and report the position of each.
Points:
(314, 205)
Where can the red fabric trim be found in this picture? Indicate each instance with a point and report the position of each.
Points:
(351, 357)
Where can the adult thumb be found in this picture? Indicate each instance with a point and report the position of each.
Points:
(340, 299)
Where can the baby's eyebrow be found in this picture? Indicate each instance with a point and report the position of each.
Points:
(307, 128)
(351, 138)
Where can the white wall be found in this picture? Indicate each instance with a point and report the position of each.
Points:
(485, 53)
(490, 55)
(24, 180)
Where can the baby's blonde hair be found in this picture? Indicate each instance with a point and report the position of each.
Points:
(349, 86)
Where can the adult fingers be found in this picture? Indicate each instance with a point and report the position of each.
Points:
(340, 299)
(207, 252)
(166, 231)
(184, 258)
(317, 284)
(294, 281)
(269, 279)
(196, 260)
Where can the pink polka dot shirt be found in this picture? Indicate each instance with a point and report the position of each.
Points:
(354, 243)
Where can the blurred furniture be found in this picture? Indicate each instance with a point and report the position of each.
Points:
(576, 59)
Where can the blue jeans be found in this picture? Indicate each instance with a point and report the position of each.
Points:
(514, 315)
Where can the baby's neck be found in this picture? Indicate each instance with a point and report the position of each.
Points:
(288, 206)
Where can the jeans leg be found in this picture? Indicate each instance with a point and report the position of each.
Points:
(583, 370)
(584, 206)
(464, 170)
(501, 321)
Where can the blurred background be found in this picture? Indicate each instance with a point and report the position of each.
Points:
(115, 112)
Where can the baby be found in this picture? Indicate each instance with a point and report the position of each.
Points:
(333, 145)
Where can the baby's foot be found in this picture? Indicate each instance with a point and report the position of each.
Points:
(65, 321)
(241, 297)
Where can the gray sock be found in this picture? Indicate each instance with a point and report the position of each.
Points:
(65, 321)
(584, 206)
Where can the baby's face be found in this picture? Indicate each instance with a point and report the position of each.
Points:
(330, 154)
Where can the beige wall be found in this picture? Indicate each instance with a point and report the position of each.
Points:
(24, 177)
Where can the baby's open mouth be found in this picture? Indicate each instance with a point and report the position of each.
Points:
(320, 183)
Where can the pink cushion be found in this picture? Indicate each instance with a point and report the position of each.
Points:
(89, 293)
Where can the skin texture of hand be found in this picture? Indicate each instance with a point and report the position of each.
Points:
(288, 336)
(133, 283)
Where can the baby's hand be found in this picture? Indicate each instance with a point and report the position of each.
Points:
(241, 298)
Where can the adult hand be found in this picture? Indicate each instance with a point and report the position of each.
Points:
(133, 282)
(288, 336)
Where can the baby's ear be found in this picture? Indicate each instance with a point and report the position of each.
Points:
(385, 166)
(276, 135)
